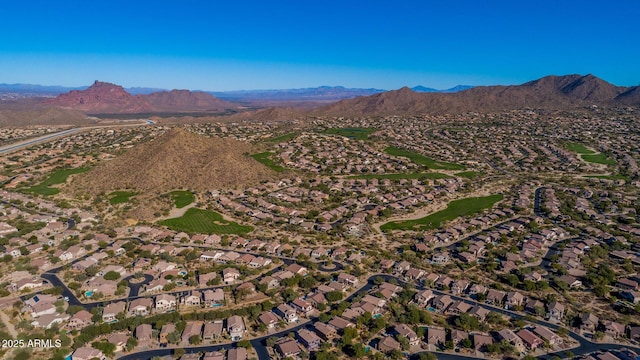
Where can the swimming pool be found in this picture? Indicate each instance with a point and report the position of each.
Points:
(88, 293)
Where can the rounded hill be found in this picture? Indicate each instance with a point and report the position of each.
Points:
(178, 159)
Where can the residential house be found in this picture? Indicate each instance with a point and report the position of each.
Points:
(309, 339)
(531, 341)
(325, 331)
(191, 329)
(442, 302)
(302, 306)
(80, 320)
(238, 353)
(340, 323)
(480, 341)
(512, 338)
(457, 336)
(286, 312)
(165, 303)
(269, 319)
(213, 298)
(423, 297)
(348, 279)
(270, 281)
(613, 329)
(388, 344)
(140, 307)
(408, 333)
(514, 300)
(588, 322)
(193, 299)
(436, 336)
(119, 340)
(144, 334)
(230, 275)
(212, 330)
(166, 330)
(555, 311)
(112, 310)
(548, 335)
(235, 327)
(495, 297)
(288, 349)
(88, 353)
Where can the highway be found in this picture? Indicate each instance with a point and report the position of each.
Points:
(45, 138)
(42, 139)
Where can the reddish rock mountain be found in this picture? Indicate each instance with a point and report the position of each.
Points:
(551, 92)
(102, 97)
(107, 98)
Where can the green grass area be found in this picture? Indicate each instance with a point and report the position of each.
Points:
(609, 177)
(204, 222)
(408, 176)
(182, 198)
(55, 178)
(467, 174)
(351, 133)
(456, 208)
(265, 159)
(579, 148)
(598, 159)
(120, 197)
(283, 138)
(422, 160)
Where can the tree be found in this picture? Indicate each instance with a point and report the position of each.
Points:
(177, 353)
(131, 343)
(112, 275)
(427, 356)
(195, 340)
(333, 296)
(245, 344)
(271, 341)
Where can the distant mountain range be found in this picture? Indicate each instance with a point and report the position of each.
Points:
(46, 90)
(550, 92)
(321, 93)
(423, 89)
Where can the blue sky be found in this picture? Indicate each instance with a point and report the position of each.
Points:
(215, 45)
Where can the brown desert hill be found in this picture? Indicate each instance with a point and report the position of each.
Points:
(551, 92)
(100, 98)
(29, 115)
(274, 114)
(630, 97)
(185, 100)
(178, 159)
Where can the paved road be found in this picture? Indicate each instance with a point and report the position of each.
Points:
(45, 138)
(23, 144)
